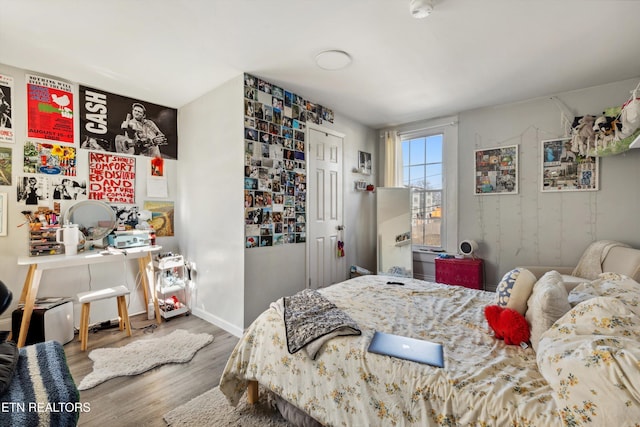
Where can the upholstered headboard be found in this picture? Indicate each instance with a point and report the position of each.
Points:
(623, 260)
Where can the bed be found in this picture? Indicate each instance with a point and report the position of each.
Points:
(484, 382)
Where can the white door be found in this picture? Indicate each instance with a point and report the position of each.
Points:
(324, 215)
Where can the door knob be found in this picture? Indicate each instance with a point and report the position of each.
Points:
(340, 227)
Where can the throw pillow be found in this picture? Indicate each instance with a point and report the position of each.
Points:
(507, 324)
(548, 302)
(514, 289)
(8, 363)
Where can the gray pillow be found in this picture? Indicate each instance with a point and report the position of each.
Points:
(8, 363)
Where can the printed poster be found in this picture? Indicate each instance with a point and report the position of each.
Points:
(5, 166)
(161, 217)
(49, 109)
(50, 159)
(118, 124)
(112, 178)
(6, 101)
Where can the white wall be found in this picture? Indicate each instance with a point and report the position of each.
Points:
(532, 228)
(207, 186)
(273, 272)
(235, 284)
(68, 281)
(211, 188)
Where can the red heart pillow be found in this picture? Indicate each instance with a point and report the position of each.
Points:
(507, 324)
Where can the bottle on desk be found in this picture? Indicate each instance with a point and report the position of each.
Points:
(70, 238)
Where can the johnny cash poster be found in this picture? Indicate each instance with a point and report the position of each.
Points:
(118, 124)
(49, 109)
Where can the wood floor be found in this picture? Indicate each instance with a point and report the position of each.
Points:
(143, 399)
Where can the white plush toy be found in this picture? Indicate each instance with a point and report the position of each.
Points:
(143, 220)
(582, 134)
(630, 115)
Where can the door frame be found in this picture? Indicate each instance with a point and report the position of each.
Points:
(342, 136)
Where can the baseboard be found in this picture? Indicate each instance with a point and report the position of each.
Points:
(232, 329)
(424, 277)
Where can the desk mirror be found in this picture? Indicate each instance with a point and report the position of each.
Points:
(96, 219)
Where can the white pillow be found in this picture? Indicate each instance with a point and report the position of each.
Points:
(548, 302)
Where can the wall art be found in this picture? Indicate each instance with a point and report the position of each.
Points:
(6, 115)
(275, 176)
(565, 170)
(119, 124)
(5, 165)
(364, 162)
(112, 178)
(49, 109)
(162, 217)
(496, 170)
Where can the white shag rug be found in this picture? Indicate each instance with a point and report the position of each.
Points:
(132, 359)
(212, 409)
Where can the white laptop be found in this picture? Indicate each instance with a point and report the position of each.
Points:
(407, 348)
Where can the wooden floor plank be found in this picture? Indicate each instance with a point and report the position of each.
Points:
(143, 399)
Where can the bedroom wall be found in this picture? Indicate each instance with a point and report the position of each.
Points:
(235, 285)
(532, 228)
(72, 280)
(210, 184)
(273, 272)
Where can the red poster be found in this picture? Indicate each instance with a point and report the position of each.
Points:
(49, 109)
(112, 178)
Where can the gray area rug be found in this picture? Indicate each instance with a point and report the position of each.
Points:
(141, 355)
(212, 409)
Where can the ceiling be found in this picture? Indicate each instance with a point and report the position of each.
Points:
(467, 54)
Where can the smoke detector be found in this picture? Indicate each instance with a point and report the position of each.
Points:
(420, 8)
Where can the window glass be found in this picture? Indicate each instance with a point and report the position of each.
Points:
(422, 172)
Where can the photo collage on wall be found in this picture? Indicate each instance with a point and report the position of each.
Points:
(275, 178)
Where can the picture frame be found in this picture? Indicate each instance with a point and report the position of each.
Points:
(564, 170)
(496, 170)
(364, 162)
(3, 213)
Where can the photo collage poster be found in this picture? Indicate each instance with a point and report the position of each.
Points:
(564, 170)
(275, 178)
(496, 170)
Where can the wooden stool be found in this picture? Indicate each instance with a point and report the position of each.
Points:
(86, 298)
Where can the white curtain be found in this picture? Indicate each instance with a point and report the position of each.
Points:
(392, 159)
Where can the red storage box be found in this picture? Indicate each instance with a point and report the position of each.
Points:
(467, 272)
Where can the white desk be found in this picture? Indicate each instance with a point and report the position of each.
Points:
(48, 262)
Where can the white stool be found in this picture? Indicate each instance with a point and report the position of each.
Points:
(86, 298)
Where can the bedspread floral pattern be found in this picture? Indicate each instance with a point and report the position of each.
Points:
(484, 382)
(591, 355)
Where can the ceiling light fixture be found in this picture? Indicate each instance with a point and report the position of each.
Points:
(333, 59)
(420, 8)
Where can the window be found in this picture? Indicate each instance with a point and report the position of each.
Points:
(422, 169)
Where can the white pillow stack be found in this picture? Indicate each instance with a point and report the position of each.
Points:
(548, 302)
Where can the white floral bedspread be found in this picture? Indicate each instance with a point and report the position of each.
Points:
(484, 382)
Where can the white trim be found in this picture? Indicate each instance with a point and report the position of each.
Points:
(221, 323)
(449, 127)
